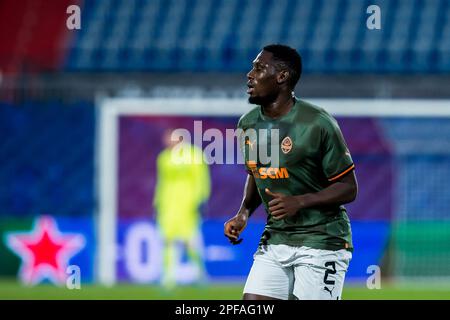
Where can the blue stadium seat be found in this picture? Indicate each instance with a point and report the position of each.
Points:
(222, 35)
(52, 172)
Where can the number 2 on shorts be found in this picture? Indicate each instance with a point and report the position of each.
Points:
(331, 264)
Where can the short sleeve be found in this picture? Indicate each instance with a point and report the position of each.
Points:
(336, 158)
(242, 143)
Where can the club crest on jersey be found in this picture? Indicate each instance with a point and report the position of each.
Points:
(286, 145)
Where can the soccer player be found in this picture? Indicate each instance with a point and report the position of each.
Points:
(306, 246)
(183, 184)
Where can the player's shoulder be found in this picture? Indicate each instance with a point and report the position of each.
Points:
(315, 115)
(249, 118)
(307, 107)
(163, 156)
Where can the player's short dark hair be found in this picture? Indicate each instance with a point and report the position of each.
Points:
(287, 58)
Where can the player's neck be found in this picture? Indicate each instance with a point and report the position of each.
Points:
(281, 106)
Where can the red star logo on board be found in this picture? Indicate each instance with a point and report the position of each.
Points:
(45, 251)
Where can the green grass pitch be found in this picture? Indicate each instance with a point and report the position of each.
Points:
(10, 289)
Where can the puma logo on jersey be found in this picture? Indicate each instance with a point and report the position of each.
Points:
(329, 291)
(264, 173)
(250, 143)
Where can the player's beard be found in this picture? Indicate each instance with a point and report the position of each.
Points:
(265, 100)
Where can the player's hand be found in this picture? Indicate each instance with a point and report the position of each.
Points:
(283, 206)
(234, 227)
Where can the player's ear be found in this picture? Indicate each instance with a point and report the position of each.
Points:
(283, 76)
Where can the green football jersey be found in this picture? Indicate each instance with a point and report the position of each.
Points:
(312, 153)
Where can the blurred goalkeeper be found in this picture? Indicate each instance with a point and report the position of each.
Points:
(183, 185)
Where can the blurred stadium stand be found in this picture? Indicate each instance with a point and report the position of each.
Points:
(47, 159)
(224, 35)
(140, 47)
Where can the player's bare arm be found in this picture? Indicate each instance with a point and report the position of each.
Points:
(340, 192)
(251, 200)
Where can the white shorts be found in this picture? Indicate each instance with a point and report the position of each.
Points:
(289, 272)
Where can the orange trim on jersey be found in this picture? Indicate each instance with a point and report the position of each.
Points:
(342, 173)
(251, 163)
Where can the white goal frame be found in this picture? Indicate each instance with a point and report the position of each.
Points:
(106, 149)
